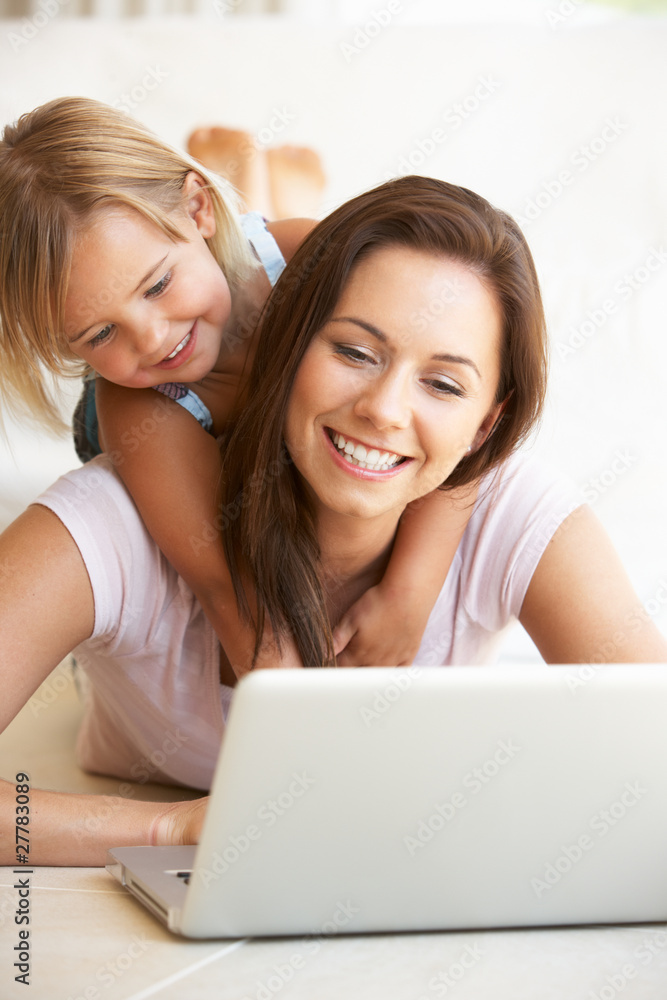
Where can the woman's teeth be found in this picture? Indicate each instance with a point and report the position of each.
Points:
(179, 347)
(365, 458)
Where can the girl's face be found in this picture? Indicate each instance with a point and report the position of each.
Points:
(141, 309)
(397, 386)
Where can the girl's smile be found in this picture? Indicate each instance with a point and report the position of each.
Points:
(182, 352)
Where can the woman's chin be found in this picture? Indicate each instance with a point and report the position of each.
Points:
(355, 507)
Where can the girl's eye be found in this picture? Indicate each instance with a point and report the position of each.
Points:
(158, 288)
(100, 337)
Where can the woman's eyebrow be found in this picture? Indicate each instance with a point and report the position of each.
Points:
(452, 359)
(458, 359)
(363, 324)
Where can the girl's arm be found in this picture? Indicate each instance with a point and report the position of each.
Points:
(580, 606)
(172, 467)
(385, 627)
(47, 610)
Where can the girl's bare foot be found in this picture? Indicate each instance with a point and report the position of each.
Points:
(282, 183)
(296, 180)
(234, 155)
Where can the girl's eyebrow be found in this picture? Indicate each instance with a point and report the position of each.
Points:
(149, 274)
(452, 359)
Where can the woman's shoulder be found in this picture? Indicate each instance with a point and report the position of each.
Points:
(520, 506)
(125, 567)
(525, 488)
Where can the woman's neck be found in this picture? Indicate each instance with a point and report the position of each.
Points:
(354, 554)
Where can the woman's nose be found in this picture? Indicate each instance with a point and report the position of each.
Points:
(385, 401)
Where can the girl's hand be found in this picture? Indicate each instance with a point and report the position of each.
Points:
(179, 823)
(383, 628)
(270, 658)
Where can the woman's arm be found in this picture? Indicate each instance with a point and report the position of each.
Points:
(46, 601)
(78, 830)
(580, 606)
(47, 610)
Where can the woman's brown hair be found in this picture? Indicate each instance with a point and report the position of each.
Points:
(270, 535)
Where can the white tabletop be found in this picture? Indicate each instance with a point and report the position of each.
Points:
(91, 939)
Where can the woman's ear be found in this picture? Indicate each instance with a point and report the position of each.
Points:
(198, 204)
(488, 425)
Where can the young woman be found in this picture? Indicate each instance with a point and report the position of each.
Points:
(408, 324)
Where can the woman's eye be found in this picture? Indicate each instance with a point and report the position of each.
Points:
(160, 286)
(445, 388)
(352, 353)
(100, 337)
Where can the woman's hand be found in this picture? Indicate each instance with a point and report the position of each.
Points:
(383, 628)
(179, 823)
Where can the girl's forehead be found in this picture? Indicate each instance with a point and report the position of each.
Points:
(117, 236)
(109, 218)
(110, 255)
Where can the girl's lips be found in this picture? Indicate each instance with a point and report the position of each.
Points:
(184, 354)
(356, 470)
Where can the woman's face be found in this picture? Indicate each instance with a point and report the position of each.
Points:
(397, 386)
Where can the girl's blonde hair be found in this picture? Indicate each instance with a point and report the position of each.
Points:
(59, 164)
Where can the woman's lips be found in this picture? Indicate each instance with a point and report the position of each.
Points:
(363, 461)
(182, 352)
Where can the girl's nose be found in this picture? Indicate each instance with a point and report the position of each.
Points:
(151, 338)
(385, 401)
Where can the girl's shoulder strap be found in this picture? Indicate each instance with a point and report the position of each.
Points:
(189, 400)
(255, 227)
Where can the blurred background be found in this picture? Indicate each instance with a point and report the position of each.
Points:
(348, 10)
(552, 109)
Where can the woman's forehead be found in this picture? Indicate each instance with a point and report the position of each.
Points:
(432, 298)
(439, 276)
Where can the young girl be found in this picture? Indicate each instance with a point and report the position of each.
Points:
(121, 258)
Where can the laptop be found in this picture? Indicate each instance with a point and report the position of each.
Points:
(420, 798)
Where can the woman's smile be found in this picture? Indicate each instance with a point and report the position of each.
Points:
(359, 458)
